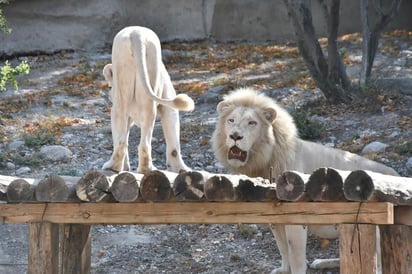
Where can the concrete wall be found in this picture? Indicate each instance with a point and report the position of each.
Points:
(47, 26)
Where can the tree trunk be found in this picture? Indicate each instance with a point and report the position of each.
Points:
(330, 76)
(370, 38)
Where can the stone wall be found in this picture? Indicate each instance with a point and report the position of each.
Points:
(47, 26)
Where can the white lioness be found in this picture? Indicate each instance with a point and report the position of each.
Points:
(252, 135)
(141, 86)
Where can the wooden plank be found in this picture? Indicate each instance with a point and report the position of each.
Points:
(75, 248)
(203, 213)
(396, 243)
(43, 248)
(357, 249)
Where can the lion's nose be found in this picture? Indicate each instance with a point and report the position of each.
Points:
(235, 136)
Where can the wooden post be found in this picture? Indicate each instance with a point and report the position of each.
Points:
(396, 243)
(357, 249)
(43, 248)
(75, 248)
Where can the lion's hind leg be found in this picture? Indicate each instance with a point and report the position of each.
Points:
(147, 121)
(120, 124)
(171, 131)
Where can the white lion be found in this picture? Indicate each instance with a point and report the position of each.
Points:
(141, 86)
(253, 134)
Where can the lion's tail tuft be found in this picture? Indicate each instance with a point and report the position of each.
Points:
(184, 102)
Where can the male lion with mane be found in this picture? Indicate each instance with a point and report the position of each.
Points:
(141, 86)
(254, 135)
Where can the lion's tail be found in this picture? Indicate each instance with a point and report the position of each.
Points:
(180, 101)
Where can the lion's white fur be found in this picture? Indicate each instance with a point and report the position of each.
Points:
(258, 125)
(141, 86)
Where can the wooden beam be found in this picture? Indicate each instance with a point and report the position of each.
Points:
(403, 215)
(396, 242)
(199, 213)
(357, 249)
(43, 248)
(75, 248)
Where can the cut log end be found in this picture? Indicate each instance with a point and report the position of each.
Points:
(249, 191)
(358, 186)
(155, 186)
(125, 188)
(188, 186)
(219, 188)
(52, 188)
(290, 186)
(20, 190)
(93, 186)
(325, 184)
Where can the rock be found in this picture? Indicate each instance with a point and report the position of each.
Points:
(23, 170)
(409, 164)
(56, 153)
(10, 166)
(403, 85)
(374, 147)
(15, 145)
(212, 95)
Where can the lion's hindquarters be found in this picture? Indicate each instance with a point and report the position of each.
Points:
(139, 81)
(311, 156)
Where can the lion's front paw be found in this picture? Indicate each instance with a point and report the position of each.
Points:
(145, 169)
(112, 165)
(280, 270)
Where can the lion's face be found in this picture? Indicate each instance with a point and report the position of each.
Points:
(242, 129)
(243, 136)
(253, 135)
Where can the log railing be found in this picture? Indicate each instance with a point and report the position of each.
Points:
(60, 210)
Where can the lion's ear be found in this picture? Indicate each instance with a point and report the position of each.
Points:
(108, 74)
(269, 114)
(222, 107)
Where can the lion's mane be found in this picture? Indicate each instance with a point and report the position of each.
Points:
(283, 135)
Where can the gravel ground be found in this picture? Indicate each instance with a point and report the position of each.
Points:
(59, 86)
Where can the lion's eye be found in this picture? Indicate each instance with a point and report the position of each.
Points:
(230, 121)
(252, 123)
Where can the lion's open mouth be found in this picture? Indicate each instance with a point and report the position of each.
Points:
(237, 153)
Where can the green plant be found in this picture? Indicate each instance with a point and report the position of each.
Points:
(68, 171)
(41, 137)
(3, 22)
(8, 73)
(246, 231)
(405, 148)
(34, 160)
(308, 129)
